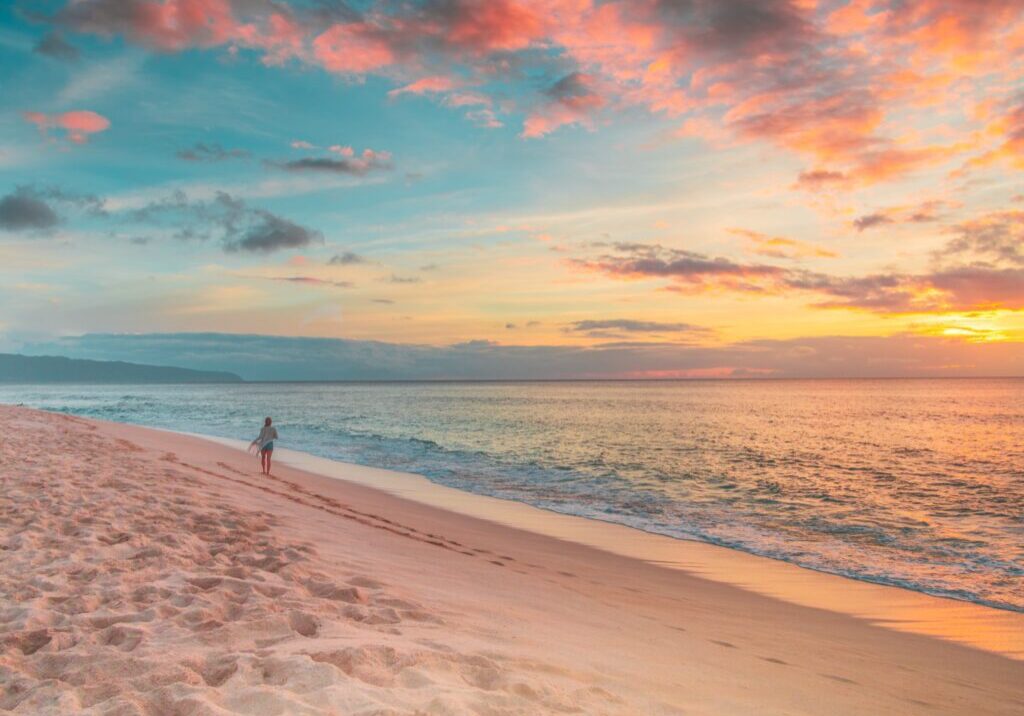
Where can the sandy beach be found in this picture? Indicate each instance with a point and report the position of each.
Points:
(145, 572)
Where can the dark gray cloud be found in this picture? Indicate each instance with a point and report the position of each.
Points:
(271, 233)
(574, 84)
(683, 267)
(346, 258)
(54, 45)
(239, 227)
(737, 26)
(202, 152)
(869, 221)
(31, 207)
(923, 213)
(356, 166)
(20, 211)
(257, 357)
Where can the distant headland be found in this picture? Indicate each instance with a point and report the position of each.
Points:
(57, 369)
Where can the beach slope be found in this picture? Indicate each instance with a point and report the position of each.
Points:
(143, 572)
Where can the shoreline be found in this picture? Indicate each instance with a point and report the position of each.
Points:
(890, 606)
(795, 520)
(154, 572)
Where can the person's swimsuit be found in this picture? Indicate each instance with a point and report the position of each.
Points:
(266, 438)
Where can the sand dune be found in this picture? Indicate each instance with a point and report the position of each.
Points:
(147, 573)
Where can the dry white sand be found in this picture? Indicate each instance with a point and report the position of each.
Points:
(149, 573)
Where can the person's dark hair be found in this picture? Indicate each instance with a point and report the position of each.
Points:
(268, 421)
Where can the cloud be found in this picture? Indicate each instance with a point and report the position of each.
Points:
(239, 227)
(257, 357)
(923, 213)
(352, 48)
(53, 44)
(31, 207)
(403, 279)
(687, 269)
(779, 247)
(946, 289)
(426, 85)
(202, 152)
(871, 220)
(88, 203)
(271, 233)
(22, 212)
(346, 258)
(953, 289)
(169, 26)
(570, 100)
(822, 80)
(997, 236)
(78, 125)
(818, 179)
(370, 160)
(617, 327)
(479, 107)
(311, 280)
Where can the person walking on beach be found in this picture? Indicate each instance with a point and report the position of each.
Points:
(264, 444)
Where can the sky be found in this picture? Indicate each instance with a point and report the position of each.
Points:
(552, 188)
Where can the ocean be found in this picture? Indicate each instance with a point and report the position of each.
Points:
(914, 483)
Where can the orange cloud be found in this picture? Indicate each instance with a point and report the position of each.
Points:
(779, 247)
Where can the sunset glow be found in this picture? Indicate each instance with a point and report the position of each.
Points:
(686, 180)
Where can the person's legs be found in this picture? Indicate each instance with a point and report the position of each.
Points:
(269, 454)
(263, 461)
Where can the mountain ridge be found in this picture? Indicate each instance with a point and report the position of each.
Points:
(18, 368)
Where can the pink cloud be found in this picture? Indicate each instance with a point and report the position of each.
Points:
(426, 85)
(77, 125)
(837, 83)
(351, 49)
(494, 25)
